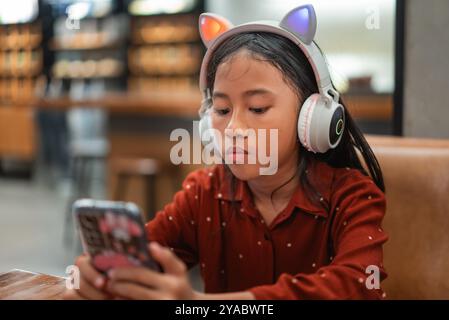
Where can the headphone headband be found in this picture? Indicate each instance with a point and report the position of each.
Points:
(299, 25)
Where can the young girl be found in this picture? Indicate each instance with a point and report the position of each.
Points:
(311, 230)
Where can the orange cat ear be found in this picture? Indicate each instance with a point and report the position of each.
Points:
(211, 26)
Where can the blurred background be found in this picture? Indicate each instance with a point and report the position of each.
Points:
(90, 91)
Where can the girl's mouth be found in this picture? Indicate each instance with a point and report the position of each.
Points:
(236, 155)
(236, 151)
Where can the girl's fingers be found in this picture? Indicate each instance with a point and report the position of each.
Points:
(169, 261)
(88, 272)
(88, 291)
(129, 290)
(143, 276)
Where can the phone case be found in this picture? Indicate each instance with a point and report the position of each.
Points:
(113, 234)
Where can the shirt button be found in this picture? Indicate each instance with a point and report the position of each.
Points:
(223, 224)
(369, 237)
(219, 195)
(360, 280)
(345, 223)
(208, 219)
(294, 280)
(289, 244)
(242, 210)
(370, 197)
(192, 222)
(259, 243)
(222, 271)
(210, 174)
(240, 256)
(313, 265)
(170, 218)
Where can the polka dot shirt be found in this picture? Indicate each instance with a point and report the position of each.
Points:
(314, 249)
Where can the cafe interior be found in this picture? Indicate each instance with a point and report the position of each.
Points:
(90, 91)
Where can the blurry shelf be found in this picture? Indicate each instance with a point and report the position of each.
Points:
(20, 76)
(88, 69)
(165, 54)
(179, 59)
(165, 42)
(56, 46)
(147, 74)
(110, 76)
(19, 41)
(21, 48)
(19, 104)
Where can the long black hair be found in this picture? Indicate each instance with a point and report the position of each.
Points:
(297, 72)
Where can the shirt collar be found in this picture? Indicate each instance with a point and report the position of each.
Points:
(320, 176)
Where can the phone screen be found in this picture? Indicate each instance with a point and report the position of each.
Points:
(113, 234)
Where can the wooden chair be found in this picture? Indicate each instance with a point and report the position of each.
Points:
(145, 168)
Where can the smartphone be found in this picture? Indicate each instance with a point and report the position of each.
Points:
(113, 234)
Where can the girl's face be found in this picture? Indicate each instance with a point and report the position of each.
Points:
(251, 94)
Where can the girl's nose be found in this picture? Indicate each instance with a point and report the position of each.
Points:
(237, 126)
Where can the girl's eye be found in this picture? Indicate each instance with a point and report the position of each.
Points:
(222, 111)
(259, 110)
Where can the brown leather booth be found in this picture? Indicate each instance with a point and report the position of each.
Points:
(416, 174)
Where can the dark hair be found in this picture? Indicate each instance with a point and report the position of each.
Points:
(297, 72)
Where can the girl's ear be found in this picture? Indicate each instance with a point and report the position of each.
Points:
(301, 21)
(211, 26)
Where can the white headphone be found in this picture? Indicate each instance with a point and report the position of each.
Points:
(321, 121)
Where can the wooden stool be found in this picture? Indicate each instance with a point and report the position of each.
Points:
(148, 169)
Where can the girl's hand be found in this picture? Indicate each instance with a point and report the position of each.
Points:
(144, 284)
(91, 282)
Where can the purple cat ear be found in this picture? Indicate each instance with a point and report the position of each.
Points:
(301, 21)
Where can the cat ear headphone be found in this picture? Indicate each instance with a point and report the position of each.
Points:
(321, 121)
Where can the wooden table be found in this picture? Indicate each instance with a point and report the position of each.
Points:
(25, 285)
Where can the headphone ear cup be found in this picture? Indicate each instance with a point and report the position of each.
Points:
(320, 127)
(305, 120)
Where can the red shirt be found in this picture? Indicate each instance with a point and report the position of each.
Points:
(307, 252)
